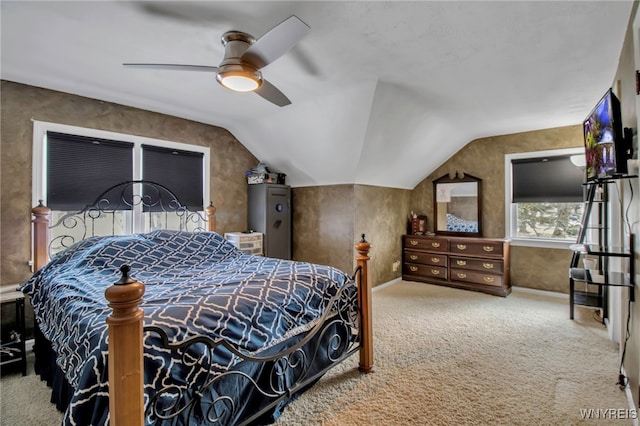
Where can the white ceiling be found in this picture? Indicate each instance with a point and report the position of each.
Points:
(382, 92)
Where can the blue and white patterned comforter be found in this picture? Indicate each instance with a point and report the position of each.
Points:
(196, 283)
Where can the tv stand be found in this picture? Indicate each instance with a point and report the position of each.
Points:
(589, 267)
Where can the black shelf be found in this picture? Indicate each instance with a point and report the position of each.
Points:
(588, 298)
(12, 348)
(614, 279)
(593, 243)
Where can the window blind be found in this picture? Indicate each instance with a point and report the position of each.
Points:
(180, 171)
(546, 180)
(80, 168)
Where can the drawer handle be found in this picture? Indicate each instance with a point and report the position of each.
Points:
(488, 249)
(413, 268)
(413, 257)
(435, 272)
(489, 279)
(461, 262)
(461, 275)
(435, 260)
(488, 265)
(413, 242)
(461, 246)
(436, 245)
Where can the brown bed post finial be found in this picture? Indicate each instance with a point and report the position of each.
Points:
(41, 214)
(211, 217)
(366, 321)
(126, 378)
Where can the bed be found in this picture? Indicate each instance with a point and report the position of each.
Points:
(180, 327)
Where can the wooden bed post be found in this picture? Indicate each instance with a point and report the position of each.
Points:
(126, 374)
(211, 217)
(41, 215)
(366, 320)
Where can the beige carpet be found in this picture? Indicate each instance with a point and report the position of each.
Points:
(452, 357)
(443, 357)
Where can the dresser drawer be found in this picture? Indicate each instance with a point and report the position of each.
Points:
(477, 248)
(485, 265)
(476, 277)
(439, 272)
(431, 244)
(426, 258)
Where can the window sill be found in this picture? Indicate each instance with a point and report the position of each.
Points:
(541, 243)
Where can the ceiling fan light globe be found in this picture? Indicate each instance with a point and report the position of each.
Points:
(239, 83)
(239, 78)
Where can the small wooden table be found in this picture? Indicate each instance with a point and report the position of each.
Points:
(12, 348)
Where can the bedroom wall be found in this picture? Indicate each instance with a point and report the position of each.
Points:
(629, 102)
(329, 220)
(538, 268)
(383, 215)
(323, 225)
(22, 103)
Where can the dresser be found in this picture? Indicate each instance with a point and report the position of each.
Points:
(479, 264)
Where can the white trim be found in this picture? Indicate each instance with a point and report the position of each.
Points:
(629, 395)
(541, 243)
(510, 211)
(387, 284)
(516, 289)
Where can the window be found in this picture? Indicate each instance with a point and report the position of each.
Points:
(73, 165)
(543, 197)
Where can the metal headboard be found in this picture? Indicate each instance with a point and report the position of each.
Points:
(131, 206)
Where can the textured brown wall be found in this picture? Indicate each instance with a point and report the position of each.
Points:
(383, 215)
(323, 225)
(331, 217)
(21, 103)
(329, 220)
(484, 158)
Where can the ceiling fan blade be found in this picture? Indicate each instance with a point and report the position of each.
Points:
(271, 93)
(276, 42)
(173, 67)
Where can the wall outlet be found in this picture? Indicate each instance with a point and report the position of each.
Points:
(396, 266)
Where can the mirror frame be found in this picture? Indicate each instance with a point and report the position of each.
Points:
(464, 178)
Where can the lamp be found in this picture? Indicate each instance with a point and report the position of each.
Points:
(239, 77)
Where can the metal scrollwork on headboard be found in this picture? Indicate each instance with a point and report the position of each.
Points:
(131, 206)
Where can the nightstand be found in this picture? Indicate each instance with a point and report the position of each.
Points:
(249, 242)
(12, 345)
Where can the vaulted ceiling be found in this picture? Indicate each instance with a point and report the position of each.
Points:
(382, 92)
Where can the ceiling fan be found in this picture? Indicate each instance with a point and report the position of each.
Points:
(245, 56)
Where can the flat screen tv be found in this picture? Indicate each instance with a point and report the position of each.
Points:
(605, 145)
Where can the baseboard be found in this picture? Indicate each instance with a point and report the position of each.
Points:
(632, 405)
(387, 284)
(540, 292)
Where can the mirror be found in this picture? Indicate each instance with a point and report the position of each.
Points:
(457, 205)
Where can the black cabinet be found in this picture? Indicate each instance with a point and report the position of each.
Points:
(269, 212)
(12, 343)
(590, 272)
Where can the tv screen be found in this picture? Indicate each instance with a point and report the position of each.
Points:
(603, 139)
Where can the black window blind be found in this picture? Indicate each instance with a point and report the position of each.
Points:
(80, 168)
(179, 171)
(546, 179)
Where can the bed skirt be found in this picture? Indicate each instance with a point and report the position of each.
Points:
(49, 371)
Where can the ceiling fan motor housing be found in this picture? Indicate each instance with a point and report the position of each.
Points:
(235, 44)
